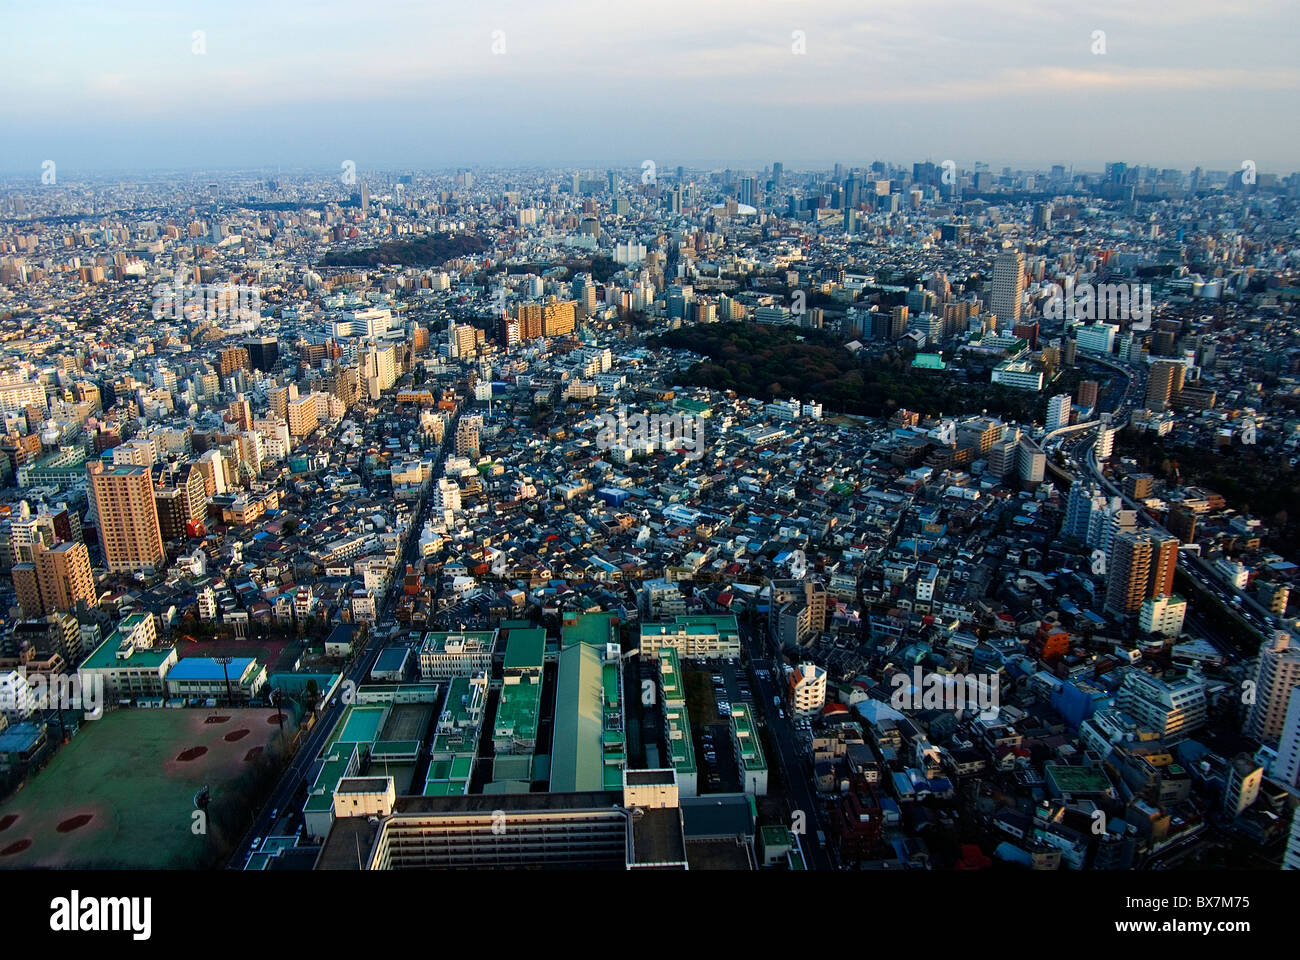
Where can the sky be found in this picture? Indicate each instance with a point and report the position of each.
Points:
(394, 84)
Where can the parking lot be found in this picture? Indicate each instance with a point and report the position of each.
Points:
(713, 686)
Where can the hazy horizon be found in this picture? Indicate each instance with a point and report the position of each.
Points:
(400, 84)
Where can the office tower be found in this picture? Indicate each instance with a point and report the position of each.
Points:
(1058, 411)
(746, 195)
(263, 352)
(128, 517)
(889, 326)
(1276, 675)
(55, 580)
(365, 199)
(583, 290)
(1141, 566)
(778, 172)
(1164, 384)
(1008, 287)
(1031, 463)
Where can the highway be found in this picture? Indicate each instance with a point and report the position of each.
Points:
(1081, 458)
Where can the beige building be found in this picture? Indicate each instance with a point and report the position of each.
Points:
(303, 416)
(55, 580)
(128, 517)
(808, 690)
(798, 610)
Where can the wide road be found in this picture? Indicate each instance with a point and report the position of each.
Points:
(796, 770)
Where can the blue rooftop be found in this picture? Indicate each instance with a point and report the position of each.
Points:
(205, 668)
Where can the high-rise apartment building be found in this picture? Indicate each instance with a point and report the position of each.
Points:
(1277, 674)
(1164, 384)
(55, 580)
(128, 517)
(1142, 565)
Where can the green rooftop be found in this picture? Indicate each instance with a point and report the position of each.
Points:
(525, 649)
(670, 676)
(105, 656)
(749, 752)
(588, 750)
(592, 629)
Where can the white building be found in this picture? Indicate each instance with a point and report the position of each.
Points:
(447, 655)
(1058, 412)
(1163, 615)
(808, 690)
(17, 700)
(1019, 374)
(1172, 704)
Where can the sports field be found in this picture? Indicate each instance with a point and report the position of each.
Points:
(121, 793)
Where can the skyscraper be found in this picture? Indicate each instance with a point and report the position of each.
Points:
(128, 517)
(1008, 287)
